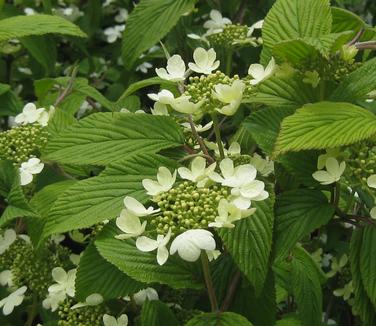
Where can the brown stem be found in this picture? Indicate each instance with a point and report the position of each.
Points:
(370, 45)
(231, 291)
(209, 282)
(199, 140)
(357, 37)
(67, 89)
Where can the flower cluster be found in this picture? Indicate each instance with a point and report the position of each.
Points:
(202, 199)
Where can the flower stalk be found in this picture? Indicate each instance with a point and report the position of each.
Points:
(218, 135)
(209, 282)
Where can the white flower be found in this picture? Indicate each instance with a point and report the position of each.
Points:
(212, 254)
(258, 72)
(28, 169)
(109, 320)
(136, 208)
(164, 97)
(122, 16)
(13, 300)
(165, 181)
(6, 278)
(159, 109)
(229, 213)
(175, 70)
(113, 33)
(234, 149)
(214, 147)
(190, 243)
(331, 152)
(373, 213)
(333, 172)
(29, 11)
(148, 293)
(264, 166)
(7, 239)
(183, 105)
(144, 67)
(57, 238)
(216, 22)
(64, 281)
(229, 94)
(204, 61)
(198, 173)
(199, 128)
(146, 244)
(371, 181)
(256, 25)
(92, 300)
(130, 224)
(30, 114)
(53, 300)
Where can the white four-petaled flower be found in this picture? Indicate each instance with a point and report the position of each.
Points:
(136, 208)
(204, 61)
(109, 320)
(113, 33)
(165, 181)
(13, 300)
(190, 243)
(183, 104)
(130, 224)
(28, 169)
(164, 97)
(148, 293)
(30, 114)
(259, 73)
(198, 172)
(229, 94)
(216, 22)
(146, 244)
(174, 71)
(333, 172)
(64, 281)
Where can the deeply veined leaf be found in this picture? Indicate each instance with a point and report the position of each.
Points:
(143, 266)
(93, 200)
(219, 319)
(295, 52)
(292, 19)
(362, 303)
(21, 26)
(264, 126)
(157, 313)
(150, 21)
(249, 242)
(344, 20)
(96, 275)
(325, 125)
(306, 288)
(297, 214)
(367, 262)
(358, 84)
(103, 138)
(284, 91)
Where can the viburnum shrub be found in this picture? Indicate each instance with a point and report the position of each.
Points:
(182, 162)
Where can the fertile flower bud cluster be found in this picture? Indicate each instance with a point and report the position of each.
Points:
(201, 89)
(22, 142)
(362, 161)
(230, 35)
(187, 207)
(88, 315)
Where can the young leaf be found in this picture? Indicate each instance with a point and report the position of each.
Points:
(21, 26)
(292, 19)
(103, 138)
(143, 266)
(249, 243)
(297, 214)
(93, 200)
(157, 313)
(344, 20)
(325, 125)
(219, 319)
(150, 21)
(96, 275)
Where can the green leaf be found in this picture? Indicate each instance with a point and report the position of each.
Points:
(362, 304)
(285, 91)
(59, 121)
(367, 262)
(21, 26)
(157, 313)
(10, 103)
(103, 138)
(306, 288)
(297, 214)
(250, 241)
(295, 52)
(149, 22)
(219, 319)
(143, 266)
(93, 200)
(325, 125)
(292, 19)
(358, 84)
(264, 126)
(96, 275)
(344, 20)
